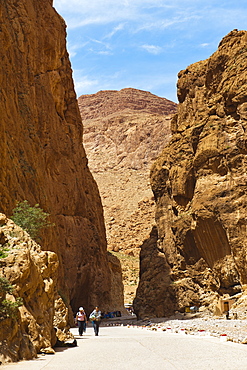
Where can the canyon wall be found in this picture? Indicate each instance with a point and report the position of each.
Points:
(199, 182)
(33, 275)
(123, 133)
(42, 157)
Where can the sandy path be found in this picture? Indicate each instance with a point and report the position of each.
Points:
(122, 348)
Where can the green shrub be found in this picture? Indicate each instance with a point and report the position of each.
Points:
(3, 251)
(31, 219)
(9, 308)
(5, 285)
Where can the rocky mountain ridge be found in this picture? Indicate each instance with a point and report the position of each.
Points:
(198, 252)
(123, 132)
(105, 103)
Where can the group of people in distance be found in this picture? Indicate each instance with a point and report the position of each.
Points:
(81, 320)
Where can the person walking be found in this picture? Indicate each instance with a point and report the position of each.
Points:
(81, 320)
(95, 317)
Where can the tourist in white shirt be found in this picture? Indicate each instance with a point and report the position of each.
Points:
(81, 320)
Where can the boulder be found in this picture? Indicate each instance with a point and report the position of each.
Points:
(27, 328)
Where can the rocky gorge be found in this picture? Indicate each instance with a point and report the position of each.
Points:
(43, 161)
(192, 251)
(123, 133)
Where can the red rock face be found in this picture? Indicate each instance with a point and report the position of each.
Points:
(124, 129)
(199, 183)
(108, 102)
(42, 157)
(123, 133)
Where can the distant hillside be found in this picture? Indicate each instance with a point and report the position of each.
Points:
(124, 131)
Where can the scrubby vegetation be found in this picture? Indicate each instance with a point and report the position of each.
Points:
(3, 251)
(8, 308)
(31, 219)
(5, 285)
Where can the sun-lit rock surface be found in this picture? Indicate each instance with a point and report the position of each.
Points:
(199, 183)
(42, 156)
(33, 273)
(123, 132)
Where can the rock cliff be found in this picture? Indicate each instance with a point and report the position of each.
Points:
(199, 183)
(123, 133)
(42, 157)
(33, 274)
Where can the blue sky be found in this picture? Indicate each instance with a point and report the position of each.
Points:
(114, 44)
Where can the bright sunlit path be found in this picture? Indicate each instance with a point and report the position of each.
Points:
(122, 348)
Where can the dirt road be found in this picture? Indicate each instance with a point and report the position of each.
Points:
(122, 348)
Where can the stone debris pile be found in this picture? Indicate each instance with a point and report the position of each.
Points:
(225, 330)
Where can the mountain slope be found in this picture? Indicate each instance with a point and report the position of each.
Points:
(123, 133)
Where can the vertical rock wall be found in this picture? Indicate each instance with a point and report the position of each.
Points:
(199, 182)
(33, 274)
(42, 156)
